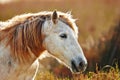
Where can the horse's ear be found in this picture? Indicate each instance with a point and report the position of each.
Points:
(69, 12)
(55, 17)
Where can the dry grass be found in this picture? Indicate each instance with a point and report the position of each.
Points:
(111, 74)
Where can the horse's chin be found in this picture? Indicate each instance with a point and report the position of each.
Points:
(74, 71)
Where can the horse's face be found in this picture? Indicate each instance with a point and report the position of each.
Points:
(61, 42)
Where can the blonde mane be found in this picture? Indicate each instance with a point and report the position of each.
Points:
(23, 33)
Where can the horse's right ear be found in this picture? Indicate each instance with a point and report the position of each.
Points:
(55, 17)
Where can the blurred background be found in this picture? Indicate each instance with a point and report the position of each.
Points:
(98, 22)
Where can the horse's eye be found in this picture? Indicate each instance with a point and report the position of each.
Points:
(63, 35)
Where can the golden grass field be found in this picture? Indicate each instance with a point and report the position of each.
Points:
(95, 18)
(111, 74)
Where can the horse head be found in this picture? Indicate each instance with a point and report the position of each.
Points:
(60, 40)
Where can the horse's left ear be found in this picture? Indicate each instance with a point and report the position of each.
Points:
(55, 17)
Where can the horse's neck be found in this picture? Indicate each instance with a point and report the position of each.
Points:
(6, 62)
(10, 66)
(5, 51)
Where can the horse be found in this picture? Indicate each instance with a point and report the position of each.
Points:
(25, 37)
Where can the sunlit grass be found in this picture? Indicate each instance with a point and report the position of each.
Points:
(111, 74)
(49, 76)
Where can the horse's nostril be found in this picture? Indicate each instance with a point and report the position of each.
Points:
(81, 64)
(74, 67)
